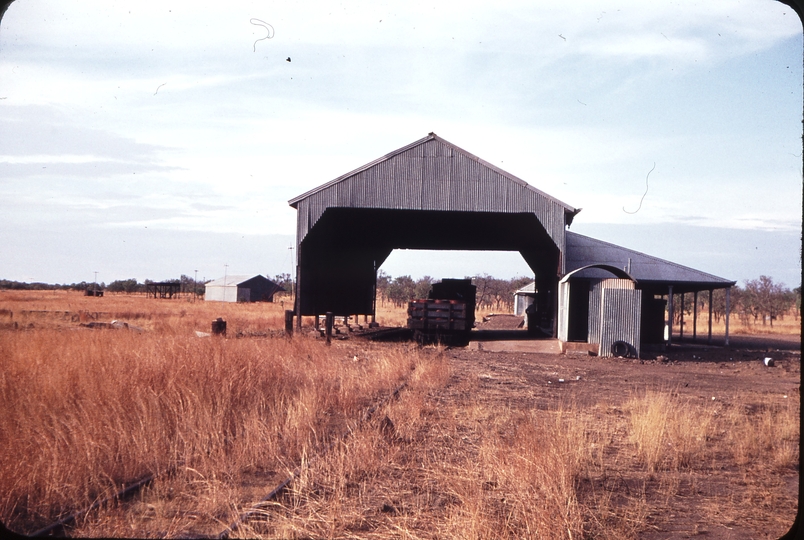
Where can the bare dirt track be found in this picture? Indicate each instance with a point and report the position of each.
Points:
(713, 498)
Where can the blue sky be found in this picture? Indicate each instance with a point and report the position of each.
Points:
(153, 139)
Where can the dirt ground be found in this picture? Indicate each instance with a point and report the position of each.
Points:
(709, 500)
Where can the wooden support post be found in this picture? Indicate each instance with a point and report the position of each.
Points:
(709, 339)
(695, 316)
(681, 324)
(317, 322)
(297, 300)
(289, 322)
(728, 306)
(328, 321)
(670, 315)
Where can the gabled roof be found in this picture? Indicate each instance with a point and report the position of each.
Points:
(431, 137)
(530, 288)
(434, 176)
(234, 280)
(645, 269)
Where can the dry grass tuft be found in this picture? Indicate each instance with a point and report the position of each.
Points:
(667, 431)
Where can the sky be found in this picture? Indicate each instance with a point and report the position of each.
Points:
(154, 139)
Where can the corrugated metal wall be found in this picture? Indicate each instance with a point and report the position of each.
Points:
(621, 312)
(596, 303)
(563, 310)
(221, 294)
(433, 175)
(521, 303)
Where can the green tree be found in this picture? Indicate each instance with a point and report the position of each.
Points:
(383, 282)
(719, 302)
(766, 299)
(401, 290)
(285, 281)
(422, 287)
(127, 286)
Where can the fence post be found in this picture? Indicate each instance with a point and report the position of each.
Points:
(330, 319)
(289, 322)
(219, 327)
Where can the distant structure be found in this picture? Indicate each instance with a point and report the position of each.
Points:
(245, 288)
(523, 298)
(163, 289)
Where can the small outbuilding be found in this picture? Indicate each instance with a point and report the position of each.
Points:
(523, 298)
(246, 288)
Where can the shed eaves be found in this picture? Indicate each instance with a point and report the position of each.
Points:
(433, 175)
(530, 288)
(431, 137)
(230, 281)
(583, 251)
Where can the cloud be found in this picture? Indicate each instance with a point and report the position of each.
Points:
(36, 130)
(127, 116)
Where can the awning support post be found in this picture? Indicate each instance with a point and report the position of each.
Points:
(709, 339)
(728, 308)
(297, 302)
(695, 316)
(669, 315)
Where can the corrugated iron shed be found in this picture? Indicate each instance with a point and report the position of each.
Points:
(433, 174)
(429, 194)
(241, 288)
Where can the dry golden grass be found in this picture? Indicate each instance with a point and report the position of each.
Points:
(222, 420)
(789, 324)
(85, 411)
(667, 431)
(670, 433)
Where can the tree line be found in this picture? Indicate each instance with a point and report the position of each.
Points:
(187, 284)
(758, 301)
(129, 286)
(492, 293)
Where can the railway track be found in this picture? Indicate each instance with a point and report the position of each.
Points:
(276, 491)
(58, 528)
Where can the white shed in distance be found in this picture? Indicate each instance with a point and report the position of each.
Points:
(248, 288)
(523, 298)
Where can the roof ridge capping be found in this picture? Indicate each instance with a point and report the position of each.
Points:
(433, 137)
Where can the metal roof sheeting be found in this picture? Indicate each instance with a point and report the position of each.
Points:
(530, 288)
(583, 251)
(433, 174)
(233, 280)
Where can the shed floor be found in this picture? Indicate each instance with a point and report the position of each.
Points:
(525, 345)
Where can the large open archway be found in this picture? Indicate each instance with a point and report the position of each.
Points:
(427, 195)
